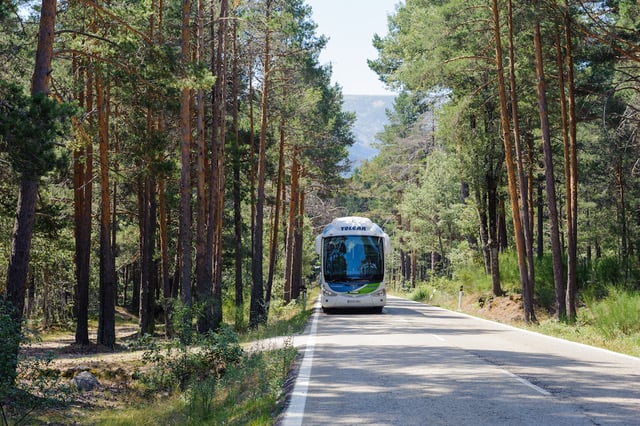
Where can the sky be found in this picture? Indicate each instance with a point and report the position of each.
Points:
(350, 26)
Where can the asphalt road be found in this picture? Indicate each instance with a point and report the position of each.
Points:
(416, 364)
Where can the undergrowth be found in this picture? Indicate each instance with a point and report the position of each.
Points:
(210, 380)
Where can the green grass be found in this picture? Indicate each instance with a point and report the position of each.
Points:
(205, 386)
(589, 335)
(247, 394)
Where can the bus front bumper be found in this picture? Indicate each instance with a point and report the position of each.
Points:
(341, 300)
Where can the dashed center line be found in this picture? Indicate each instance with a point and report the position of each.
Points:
(526, 383)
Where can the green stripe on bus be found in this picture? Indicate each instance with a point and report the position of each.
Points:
(368, 288)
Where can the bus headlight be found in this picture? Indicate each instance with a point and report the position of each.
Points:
(327, 292)
(379, 293)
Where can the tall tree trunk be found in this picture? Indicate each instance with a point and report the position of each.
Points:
(483, 219)
(273, 254)
(561, 306)
(511, 171)
(164, 258)
(82, 194)
(107, 314)
(493, 243)
(296, 269)
(527, 225)
(252, 157)
(185, 180)
(572, 229)
(220, 111)
(147, 240)
(237, 195)
(291, 225)
(540, 225)
(556, 251)
(204, 272)
(257, 309)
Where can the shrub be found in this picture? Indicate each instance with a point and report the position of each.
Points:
(544, 284)
(617, 314)
(607, 270)
(10, 339)
(178, 365)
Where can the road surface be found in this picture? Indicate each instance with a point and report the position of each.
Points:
(420, 365)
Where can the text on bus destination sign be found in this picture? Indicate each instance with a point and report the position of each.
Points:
(353, 228)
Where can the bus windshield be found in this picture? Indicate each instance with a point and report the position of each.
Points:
(353, 258)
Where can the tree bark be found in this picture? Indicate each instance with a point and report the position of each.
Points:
(276, 217)
(107, 313)
(164, 258)
(561, 306)
(527, 225)
(237, 196)
(218, 212)
(257, 308)
(572, 230)
(291, 226)
(511, 171)
(147, 240)
(82, 196)
(185, 180)
(204, 272)
(296, 269)
(556, 251)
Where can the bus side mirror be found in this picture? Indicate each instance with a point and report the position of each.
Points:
(387, 244)
(319, 244)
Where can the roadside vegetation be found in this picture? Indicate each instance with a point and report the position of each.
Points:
(223, 377)
(609, 314)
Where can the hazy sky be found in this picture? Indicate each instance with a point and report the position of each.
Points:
(350, 26)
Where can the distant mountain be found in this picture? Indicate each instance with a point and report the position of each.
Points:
(370, 120)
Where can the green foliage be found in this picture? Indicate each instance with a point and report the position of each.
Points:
(27, 384)
(545, 293)
(509, 271)
(246, 394)
(30, 129)
(10, 340)
(617, 314)
(607, 271)
(177, 366)
(439, 291)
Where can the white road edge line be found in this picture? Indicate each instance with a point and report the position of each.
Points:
(524, 330)
(295, 410)
(526, 383)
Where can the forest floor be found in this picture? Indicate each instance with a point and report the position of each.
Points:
(506, 309)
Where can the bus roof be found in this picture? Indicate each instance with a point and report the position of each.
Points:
(351, 225)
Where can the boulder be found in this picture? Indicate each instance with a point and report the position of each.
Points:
(85, 381)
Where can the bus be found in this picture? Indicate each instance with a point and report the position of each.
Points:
(352, 264)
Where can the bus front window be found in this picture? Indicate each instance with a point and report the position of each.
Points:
(353, 258)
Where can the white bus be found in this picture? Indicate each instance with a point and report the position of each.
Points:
(352, 270)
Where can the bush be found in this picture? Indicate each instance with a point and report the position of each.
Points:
(10, 339)
(177, 365)
(544, 286)
(510, 272)
(617, 314)
(607, 270)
